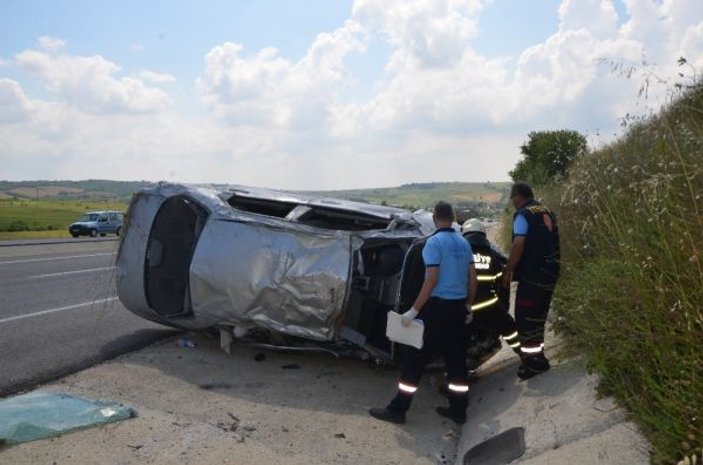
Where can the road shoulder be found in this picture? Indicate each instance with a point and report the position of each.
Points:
(564, 420)
(199, 405)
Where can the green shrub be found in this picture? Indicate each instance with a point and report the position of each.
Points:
(18, 225)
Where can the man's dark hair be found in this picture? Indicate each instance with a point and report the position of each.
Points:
(444, 211)
(522, 189)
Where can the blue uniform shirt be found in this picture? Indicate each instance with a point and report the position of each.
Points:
(452, 254)
(520, 226)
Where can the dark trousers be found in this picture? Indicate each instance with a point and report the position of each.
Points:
(531, 309)
(445, 332)
(495, 318)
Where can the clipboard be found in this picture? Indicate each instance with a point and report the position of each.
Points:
(409, 335)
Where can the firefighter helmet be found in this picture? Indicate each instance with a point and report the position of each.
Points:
(473, 225)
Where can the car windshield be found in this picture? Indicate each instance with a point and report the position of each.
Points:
(89, 217)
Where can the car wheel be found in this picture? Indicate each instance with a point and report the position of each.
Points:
(93, 233)
(118, 231)
(75, 234)
(102, 234)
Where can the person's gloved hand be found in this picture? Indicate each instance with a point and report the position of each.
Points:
(469, 314)
(408, 317)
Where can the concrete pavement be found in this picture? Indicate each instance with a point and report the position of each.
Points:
(564, 420)
(199, 405)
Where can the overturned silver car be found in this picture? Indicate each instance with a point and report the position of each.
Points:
(270, 267)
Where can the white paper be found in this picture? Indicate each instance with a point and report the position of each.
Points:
(409, 335)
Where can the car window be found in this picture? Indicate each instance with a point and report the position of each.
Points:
(89, 217)
(103, 218)
(113, 217)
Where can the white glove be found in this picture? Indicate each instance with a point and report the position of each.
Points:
(469, 315)
(408, 317)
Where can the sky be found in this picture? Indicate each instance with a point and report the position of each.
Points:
(322, 94)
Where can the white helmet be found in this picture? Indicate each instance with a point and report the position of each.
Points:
(473, 225)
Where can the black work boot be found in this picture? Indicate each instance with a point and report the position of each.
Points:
(458, 418)
(384, 414)
(532, 366)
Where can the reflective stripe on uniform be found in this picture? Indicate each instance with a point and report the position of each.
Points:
(407, 388)
(459, 388)
(485, 304)
(511, 336)
(489, 277)
(531, 350)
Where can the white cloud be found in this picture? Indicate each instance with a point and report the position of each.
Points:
(267, 89)
(15, 107)
(423, 32)
(438, 110)
(138, 47)
(598, 17)
(155, 77)
(50, 43)
(90, 83)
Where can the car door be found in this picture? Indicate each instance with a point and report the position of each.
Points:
(103, 222)
(112, 222)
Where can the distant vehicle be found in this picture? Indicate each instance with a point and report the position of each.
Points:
(269, 268)
(98, 222)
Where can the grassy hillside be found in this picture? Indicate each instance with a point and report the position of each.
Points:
(631, 292)
(94, 189)
(50, 216)
(426, 194)
(48, 207)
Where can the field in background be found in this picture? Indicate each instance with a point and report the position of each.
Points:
(43, 209)
(425, 195)
(23, 219)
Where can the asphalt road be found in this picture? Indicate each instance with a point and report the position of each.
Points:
(59, 312)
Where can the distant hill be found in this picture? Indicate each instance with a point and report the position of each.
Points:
(473, 199)
(92, 189)
(425, 195)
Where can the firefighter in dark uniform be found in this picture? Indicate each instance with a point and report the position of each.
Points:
(443, 304)
(491, 305)
(534, 263)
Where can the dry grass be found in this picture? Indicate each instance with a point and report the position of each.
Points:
(630, 295)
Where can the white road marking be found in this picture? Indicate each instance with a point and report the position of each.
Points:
(54, 310)
(56, 258)
(49, 275)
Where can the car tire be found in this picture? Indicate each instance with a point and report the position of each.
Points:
(102, 234)
(75, 235)
(118, 231)
(93, 233)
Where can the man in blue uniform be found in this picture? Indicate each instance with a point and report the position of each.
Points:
(443, 305)
(534, 263)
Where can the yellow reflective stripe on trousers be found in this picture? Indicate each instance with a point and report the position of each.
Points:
(510, 336)
(460, 388)
(485, 304)
(531, 350)
(407, 388)
(488, 278)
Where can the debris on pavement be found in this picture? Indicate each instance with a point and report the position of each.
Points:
(291, 366)
(186, 343)
(40, 415)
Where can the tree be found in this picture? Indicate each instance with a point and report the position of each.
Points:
(547, 155)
